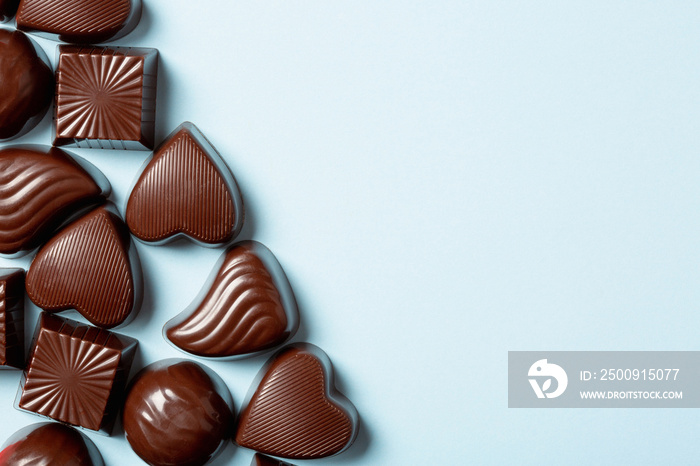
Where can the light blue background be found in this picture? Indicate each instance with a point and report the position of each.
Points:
(444, 182)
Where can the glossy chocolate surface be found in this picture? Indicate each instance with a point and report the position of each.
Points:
(247, 307)
(106, 97)
(49, 444)
(79, 22)
(39, 189)
(295, 411)
(26, 85)
(76, 373)
(7, 9)
(262, 460)
(91, 266)
(185, 189)
(12, 318)
(177, 413)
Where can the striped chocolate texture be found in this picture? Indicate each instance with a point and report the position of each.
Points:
(12, 318)
(296, 412)
(87, 267)
(185, 189)
(80, 22)
(248, 308)
(106, 97)
(39, 189)
(76, 373)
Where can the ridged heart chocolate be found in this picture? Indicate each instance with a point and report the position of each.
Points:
(296, 411)
(185, 189)
(39, 189)
(79, 22)
(90, 266)
(248, 306)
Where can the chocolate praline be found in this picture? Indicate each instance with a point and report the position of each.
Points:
(49, 444)
(177, 413)
(26, 84)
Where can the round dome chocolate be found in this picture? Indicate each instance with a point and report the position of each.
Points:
(26, 84)
(50, 444)
(177, 413)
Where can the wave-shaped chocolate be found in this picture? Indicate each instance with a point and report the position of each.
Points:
(246, 307)
(7, 9)
(79, 22)
(185, 189)
(177, 413)
(26, 83)
(295, 411)
(39, 189)
(49, 444)
(90, 266)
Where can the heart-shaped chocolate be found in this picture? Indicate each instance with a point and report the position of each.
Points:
(185, 189)
(40, 189)
(248, 307)
(296, 411)
(90, 266)
(79, 22)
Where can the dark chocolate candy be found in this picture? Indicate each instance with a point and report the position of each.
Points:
(7, 9)
(26, 84)
(79, 22)
(49, 444)
(186, 189)
(106, 97)
(39, 189)
(295, 411)
(246, 307)
(262, 460)
(177, 413)
(12, 318)
(91, 266)
(76, 373)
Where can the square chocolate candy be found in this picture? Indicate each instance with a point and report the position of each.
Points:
(76, 373)
(12, 318)
(106, 97)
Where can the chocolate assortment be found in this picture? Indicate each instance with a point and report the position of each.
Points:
(174, 412)
(177, 413)
(12, 318)
(248, 307)
(26, 83)
(106, 97)
(76, 373)
(53, 186)
(49, 444)
(185, 189)
(79, 22)
(90, 266)
(296, 412)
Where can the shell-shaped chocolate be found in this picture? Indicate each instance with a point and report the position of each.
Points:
(185, 189)
(177, 413)
(26, 84)
(49, 444)
(7, 9)
(40, 189)
(247, 306)
(79, 22)
(295, 411)
(90, 266)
